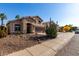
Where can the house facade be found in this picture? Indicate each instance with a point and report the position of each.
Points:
(28, 24)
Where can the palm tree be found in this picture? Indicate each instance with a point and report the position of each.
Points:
(2, 17)
(17, 16)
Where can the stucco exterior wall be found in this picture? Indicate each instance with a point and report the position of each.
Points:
(12, 26)
(24, 25)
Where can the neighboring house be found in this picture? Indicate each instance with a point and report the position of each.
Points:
(28, 24)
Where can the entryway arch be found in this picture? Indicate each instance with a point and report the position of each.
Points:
(29, 28)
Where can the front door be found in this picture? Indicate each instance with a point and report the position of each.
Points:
(29, 28)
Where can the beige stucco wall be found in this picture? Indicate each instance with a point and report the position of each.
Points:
(12, 26)
(24, 24)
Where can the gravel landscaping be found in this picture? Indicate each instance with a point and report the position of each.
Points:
(13, 43)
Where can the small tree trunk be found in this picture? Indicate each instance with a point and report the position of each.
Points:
(1, 22)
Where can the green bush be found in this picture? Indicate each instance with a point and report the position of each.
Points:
(3, 31)
(51, 31)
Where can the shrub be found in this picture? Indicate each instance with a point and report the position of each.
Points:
(51, 31)
(67, 28)
(3, 31)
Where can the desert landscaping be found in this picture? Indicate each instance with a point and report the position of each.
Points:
(13, 43)
(25, 32)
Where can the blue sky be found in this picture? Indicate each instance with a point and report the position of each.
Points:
(62, 12)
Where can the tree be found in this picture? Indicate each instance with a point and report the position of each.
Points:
(2, 17)
(51, 31)
(71, 29)
(17, 16)
(67, 28)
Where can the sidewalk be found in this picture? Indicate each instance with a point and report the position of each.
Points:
(47, 48)
(71, 49)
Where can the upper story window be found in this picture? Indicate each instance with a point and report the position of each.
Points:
(39, 22)
(17, 27)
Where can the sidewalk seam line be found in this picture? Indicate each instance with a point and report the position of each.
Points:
(29, 52)
(49, 47)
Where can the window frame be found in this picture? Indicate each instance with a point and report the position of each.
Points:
(17, 27)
